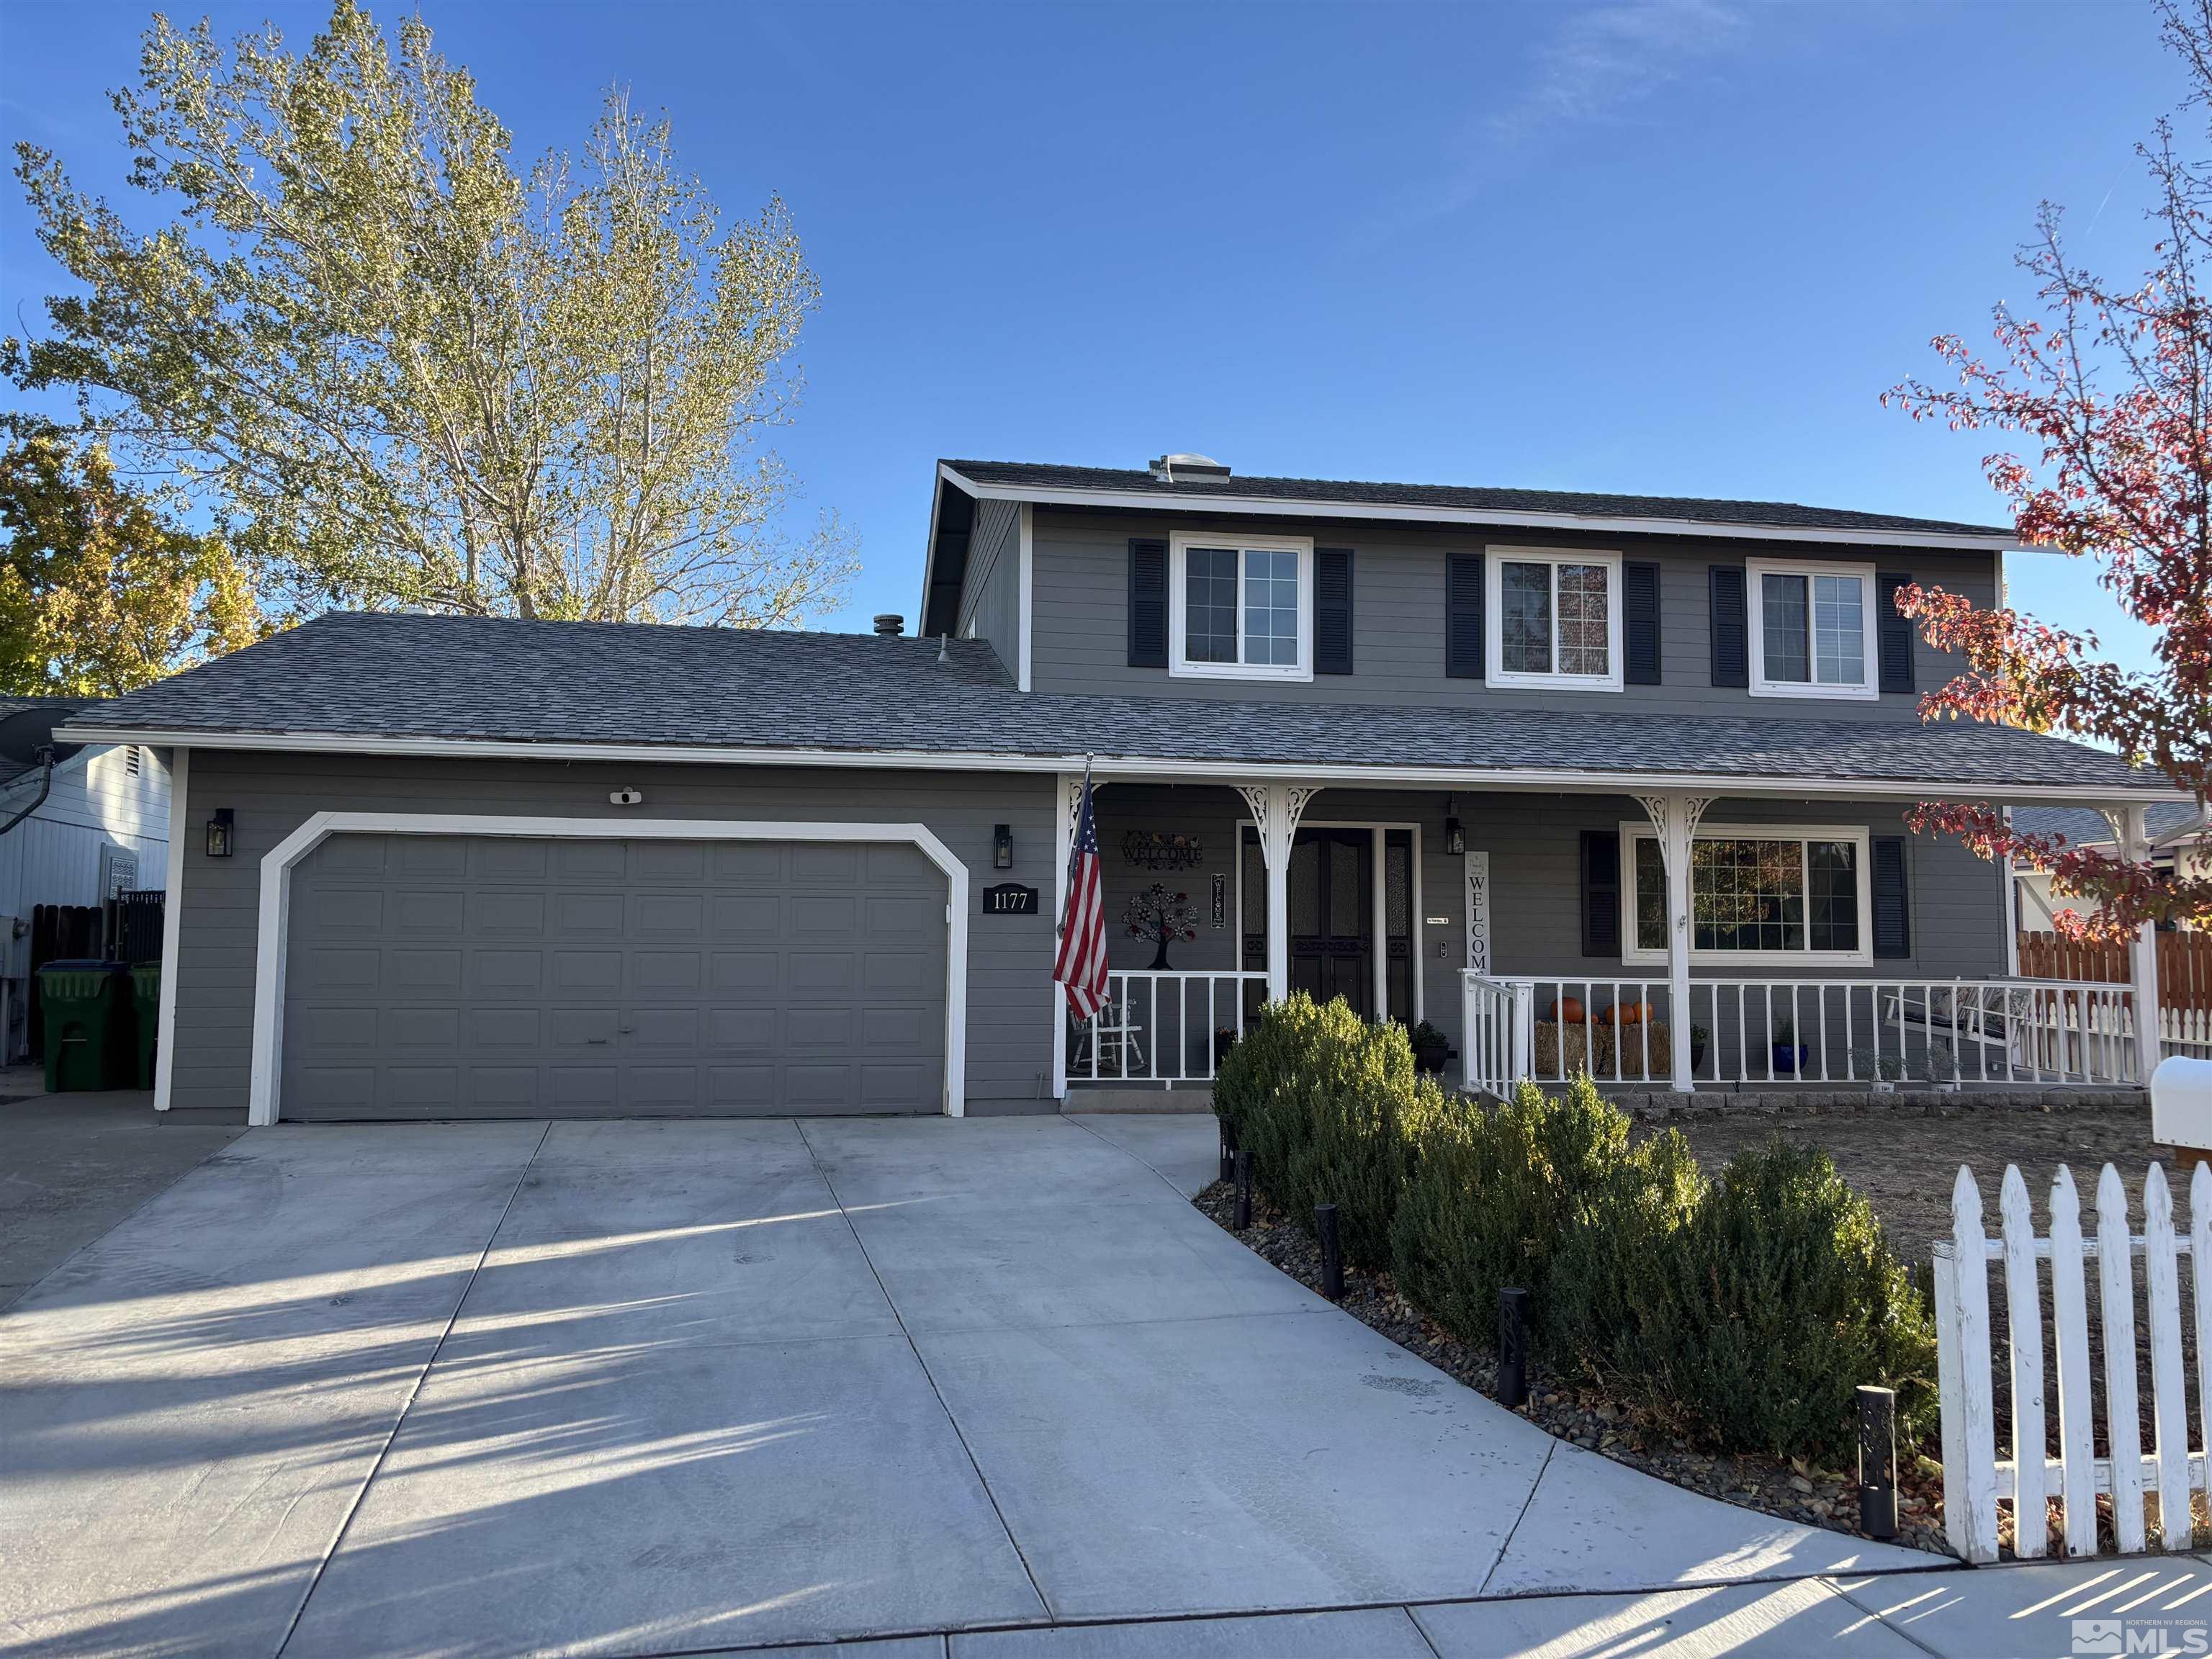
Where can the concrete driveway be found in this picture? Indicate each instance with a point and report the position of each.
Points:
(643, 1388)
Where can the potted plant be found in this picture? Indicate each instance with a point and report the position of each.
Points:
(1879, 1069)
(1699, 1037)
(1160, 918)
(1431, 1048)
(1790, 1055)
(1939, 1067)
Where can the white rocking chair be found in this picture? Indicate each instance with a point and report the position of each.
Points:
(1115, 1037)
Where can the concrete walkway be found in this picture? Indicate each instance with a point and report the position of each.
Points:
(647, 1388)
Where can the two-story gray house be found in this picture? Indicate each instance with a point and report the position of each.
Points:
(1566, 775)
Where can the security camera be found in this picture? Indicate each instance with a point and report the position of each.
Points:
(626, 797)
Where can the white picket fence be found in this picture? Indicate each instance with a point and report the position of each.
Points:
(1976, 1479)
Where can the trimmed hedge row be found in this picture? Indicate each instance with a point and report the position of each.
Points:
(1741, 1311)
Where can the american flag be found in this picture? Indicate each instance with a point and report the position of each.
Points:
(1081, 964)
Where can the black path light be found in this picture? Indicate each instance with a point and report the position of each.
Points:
(1243, 1217)
(1877, 1462)
(1512, 1348)
(1332, 1252)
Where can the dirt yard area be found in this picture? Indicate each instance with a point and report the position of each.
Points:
(1905, 1165)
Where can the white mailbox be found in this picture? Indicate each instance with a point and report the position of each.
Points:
(2181, 1103)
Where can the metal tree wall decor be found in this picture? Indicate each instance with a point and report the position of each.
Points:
(1162, 917)
(1150, 849)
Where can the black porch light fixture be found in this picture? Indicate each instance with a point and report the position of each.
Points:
(1454, 831)
(1002, 847)
(219, 836)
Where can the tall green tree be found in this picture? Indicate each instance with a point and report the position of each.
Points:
(407, 373)
(100, 590)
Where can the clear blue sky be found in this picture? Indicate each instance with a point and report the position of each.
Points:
(1662, 247)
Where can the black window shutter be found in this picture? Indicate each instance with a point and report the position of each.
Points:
(1148, 605)
(1463, 617)
(1332, 610)
(1892, 920)
(1639, 616)
(1894, 634)
(1600, 893)
(1731, 642)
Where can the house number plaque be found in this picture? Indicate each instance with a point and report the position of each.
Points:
(1010, 899)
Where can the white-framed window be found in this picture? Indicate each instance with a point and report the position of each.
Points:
(1811, 630)
(1240, 607)
(1758, 893)
(1554, 618)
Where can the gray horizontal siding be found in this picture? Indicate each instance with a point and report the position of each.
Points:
(990, 600)
(1010, 958)
(1080, 596)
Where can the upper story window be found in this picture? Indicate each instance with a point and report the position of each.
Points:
(1757, 893)
(1554, 619)
(1241, 607)
(1811, 630)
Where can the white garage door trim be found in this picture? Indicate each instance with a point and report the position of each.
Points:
(276, 866)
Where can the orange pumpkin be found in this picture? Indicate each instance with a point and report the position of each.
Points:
(1566, 1011)
(1631, 1013)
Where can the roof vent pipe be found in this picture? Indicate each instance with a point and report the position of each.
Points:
(890, 624)
(1183, 467)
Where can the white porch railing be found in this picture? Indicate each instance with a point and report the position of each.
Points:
(1976, 1479)
(2053, 1033)
(1169, 1026)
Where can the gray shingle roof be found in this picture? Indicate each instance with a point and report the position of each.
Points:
(538, 682)
(2085, 826)
(1779, 515)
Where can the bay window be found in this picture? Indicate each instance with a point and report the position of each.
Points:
(1811, 630)
(1757, 894)
(1554, 619)
(1241, 607)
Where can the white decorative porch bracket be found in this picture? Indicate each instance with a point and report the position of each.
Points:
(2131, 832)
(1276, 809)
(1674, 818)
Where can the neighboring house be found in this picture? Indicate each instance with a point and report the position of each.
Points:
(1375, 735)
(97, 824)
(2179, 841)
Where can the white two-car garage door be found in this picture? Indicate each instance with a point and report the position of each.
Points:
(495, 977)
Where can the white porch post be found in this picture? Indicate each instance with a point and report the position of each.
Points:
(1676, 819)
(1276, 809)
(2134, 832)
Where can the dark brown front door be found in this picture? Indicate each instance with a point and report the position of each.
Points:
(1332, 916)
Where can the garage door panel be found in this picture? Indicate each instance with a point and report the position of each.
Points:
(414, 1029)
(495, 858)
(521, 1030)
(588, 915)
(422, 973)
(428, 913)
(745, 916)
(419, 855)
(501, 976)
(663, 1028)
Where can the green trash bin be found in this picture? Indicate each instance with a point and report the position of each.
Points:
(146, 1006)
(88, 1025)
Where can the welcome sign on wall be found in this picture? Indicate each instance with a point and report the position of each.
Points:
(1478, 912)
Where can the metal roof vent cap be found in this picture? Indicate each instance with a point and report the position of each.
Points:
(890, 624)
(1186, 468)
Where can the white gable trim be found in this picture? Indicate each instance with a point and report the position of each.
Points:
(276, 912)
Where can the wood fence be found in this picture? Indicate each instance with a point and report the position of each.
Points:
(1976, 1478)
(2184, 965)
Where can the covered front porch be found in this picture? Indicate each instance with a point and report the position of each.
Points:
(1542, 932)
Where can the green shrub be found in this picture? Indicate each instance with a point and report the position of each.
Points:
(1751, 1320)
(1316, 1095)
(1493, 1194)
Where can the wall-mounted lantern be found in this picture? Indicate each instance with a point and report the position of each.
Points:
(1002, 847)
(1455, 836)
(219, 837)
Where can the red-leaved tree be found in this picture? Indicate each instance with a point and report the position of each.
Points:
(2112, 385)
